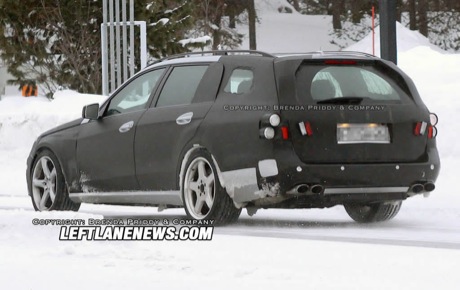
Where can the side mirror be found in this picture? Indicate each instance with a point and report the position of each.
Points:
(90, 112)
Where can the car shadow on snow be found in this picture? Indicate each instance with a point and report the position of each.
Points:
(260, 222)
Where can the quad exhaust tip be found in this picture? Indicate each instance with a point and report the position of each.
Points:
(302, 188)
(417, 188)
(317, 189)
(306, 189)
(423, 187)
(429, 186)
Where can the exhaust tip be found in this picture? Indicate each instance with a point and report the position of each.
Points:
(317, 189)
(429, 186)
(303, 188)
(417, 188)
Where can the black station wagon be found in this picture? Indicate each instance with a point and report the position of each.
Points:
(215, 132)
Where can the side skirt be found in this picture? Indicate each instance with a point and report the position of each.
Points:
(129, 197)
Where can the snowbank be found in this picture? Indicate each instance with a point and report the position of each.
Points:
(288, 32)
(22, 120)
(406, 39)
(436, 77)
(436, 74)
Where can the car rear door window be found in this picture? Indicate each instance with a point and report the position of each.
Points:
(181, 85)
(240, 81)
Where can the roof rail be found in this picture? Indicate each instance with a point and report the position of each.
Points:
(213, 52)
(351, 53)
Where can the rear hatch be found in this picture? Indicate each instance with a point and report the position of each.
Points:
(349, 111)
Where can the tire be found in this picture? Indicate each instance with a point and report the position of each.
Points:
(203, 195)
(48, 187)
(376, 212)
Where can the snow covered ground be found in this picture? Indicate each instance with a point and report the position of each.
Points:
(288, 32)
(298, 249)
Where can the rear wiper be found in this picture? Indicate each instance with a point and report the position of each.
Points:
(342, 100)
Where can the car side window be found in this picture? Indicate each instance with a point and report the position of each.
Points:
(181, 85)
(240, 81)
(135, 95)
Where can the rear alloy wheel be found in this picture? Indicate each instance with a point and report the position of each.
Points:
(375, 212)
(48, 187)
(203, 196)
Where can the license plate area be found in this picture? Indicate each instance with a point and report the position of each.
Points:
(362, 133)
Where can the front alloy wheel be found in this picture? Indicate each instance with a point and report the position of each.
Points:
(44, 183)
(48, 187)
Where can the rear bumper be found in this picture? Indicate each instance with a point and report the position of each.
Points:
(287, 182)
(334, 177)
(361, 175)
(352, 182)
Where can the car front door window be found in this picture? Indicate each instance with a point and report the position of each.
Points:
(135, 95)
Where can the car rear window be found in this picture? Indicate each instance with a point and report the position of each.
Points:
(240, 81)
(323, 82)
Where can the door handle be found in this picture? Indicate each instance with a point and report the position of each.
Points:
(126, 127)
(184, 119)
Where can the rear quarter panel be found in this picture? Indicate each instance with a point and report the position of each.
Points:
(232, 134)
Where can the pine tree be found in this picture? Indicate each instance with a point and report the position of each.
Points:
(57, 44)
(52, 43)
(168, 22)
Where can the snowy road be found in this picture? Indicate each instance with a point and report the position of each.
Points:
(417, 225)
(294, 249)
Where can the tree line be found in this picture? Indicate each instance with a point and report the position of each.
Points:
(417, 9)
(57, 44)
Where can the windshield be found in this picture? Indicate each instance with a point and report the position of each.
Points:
(319, 83)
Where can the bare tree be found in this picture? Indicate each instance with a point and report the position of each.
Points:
(337, 10)
(412, 15)
(252, 24)
(80, 51)
(296, 5)
(422, 17)
(211, 21)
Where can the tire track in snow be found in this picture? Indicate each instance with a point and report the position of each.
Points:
(273, 233)
(332, 230)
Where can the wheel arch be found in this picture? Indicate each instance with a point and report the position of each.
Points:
(185, 157)
(65, 169)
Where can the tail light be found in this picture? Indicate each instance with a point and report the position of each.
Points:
(270, 120)
(274, 120)
(433, 119)
(432, 132)
(305, 128)
(285, 132)
(267, 126)
(422, 127)
(267, 133)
